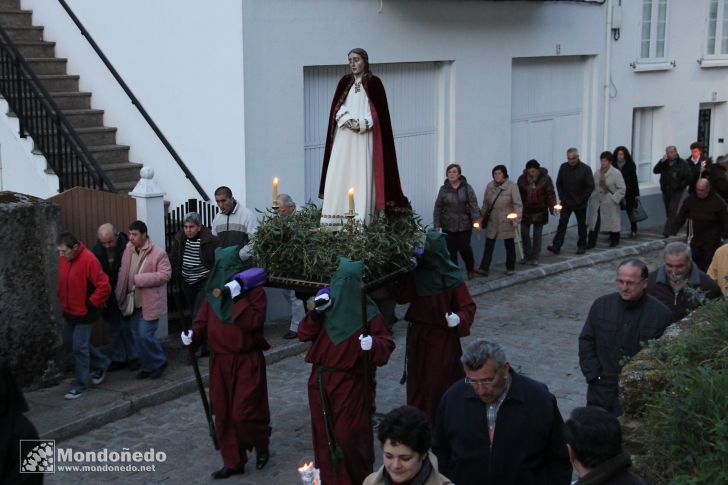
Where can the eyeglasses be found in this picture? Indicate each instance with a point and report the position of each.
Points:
(628, 284)
(488, 381)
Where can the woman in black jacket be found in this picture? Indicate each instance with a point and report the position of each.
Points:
(456, 209)
(624, 163)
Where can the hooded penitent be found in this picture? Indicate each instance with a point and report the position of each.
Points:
(437, 273)
(343, 319)
(227, 263)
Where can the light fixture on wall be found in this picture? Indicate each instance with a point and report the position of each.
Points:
(616, 20)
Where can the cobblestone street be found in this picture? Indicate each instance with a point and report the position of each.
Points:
(538, 323)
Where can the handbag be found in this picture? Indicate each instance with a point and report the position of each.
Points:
(129, 307)
(638, 214)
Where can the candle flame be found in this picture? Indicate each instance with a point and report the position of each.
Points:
(558, 207)
(512, 215)
(275, 180)
(306, 466)
(476, 225)
(351, 191)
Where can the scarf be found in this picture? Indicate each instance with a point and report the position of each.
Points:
(344, 318)
(437, 273)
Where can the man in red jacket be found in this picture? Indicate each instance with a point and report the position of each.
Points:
(83, 289)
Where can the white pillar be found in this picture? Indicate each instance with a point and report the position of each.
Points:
(150, 209)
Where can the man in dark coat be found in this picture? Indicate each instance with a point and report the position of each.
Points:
(441, 311)
(679, 283)
(617, 326)
(108, 250)
(233, 331)
(497, 427)
(538, 198)
(594, 439)
(575, 183)
(675, 175)
(387, 188)
(708, 216)
(344, 353)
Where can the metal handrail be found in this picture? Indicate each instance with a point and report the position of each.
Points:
(49, 131)
(135, 101)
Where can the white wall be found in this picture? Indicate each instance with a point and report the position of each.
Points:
(21, 170)
(481, 38)
(679, 91)
(183, 60)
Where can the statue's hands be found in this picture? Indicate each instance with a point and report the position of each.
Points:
(353, 125)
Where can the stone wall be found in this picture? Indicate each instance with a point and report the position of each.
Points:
(30, 318)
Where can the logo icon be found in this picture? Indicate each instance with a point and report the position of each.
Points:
(37, 456)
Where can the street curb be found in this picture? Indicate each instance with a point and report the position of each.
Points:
(128, 406)
(586, 260)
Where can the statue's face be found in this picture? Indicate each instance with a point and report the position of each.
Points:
(356, 63)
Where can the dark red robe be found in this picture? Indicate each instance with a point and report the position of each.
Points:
(387, 187)
(238, 384)
(433, 348)
(349, 389)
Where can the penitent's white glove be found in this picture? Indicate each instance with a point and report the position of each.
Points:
(453, 320)
(186, 337)
(365, 342)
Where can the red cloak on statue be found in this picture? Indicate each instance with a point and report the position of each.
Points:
(387, 187)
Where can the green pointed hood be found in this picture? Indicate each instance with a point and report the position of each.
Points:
(343, 318)
(436, 273)
(227, 263)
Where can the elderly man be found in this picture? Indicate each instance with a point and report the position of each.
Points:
(499, 427)
(108, 250)
(679, 283)
(575, 184)
(286, 207)
(675, 175)
(708, 215)
(83, 289)
(617, 326)
(142, 295)
(594, 439)
(234, 223)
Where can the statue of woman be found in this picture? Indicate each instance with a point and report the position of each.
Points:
(360, 151)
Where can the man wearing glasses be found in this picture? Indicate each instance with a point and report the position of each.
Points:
(617, 326)
(499, 427)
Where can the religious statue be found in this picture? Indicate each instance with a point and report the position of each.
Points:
(360, 152)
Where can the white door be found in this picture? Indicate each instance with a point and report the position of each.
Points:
(412, 94)
(546, 111)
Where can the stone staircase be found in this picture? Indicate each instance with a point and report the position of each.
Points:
(100, 140)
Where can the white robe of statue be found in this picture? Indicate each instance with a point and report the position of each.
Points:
(350, 164)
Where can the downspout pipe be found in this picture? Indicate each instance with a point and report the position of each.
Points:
(607, 72)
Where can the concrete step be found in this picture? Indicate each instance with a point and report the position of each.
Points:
(126, 172)
(47, 65)
(10, 4)
(24, 33)
(97, 135)
(84, 118)
(60, 82)
(71, 100)
(36, 48)
(110, 154)
(11, 17)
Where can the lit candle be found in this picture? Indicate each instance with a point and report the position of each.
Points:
(476, 225)
(351, 199)
(512, 216)
(557, 207)
(275, 189)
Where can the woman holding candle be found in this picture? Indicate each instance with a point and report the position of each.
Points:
(539, 198)
(406, 437)
(456, 210)
(501, 198)
(359, 150)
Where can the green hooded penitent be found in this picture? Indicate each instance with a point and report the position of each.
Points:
(343, 318)
(436, 273)
(227, 264)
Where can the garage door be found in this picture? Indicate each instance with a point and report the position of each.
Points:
(546, 110)
(413, 99)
